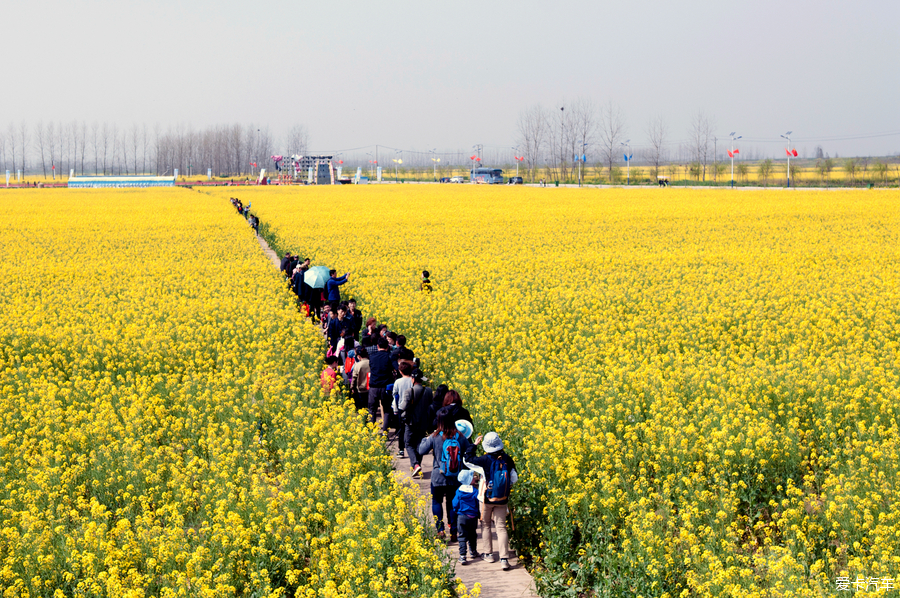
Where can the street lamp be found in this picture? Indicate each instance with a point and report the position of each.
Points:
(628, 157)
(732, 153)
(581, 160)
(788, 137)
(478, 147)
(397, 163)
(434, 162)
(517, 159)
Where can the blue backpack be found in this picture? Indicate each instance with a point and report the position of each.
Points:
(451, 459)
(498, 480)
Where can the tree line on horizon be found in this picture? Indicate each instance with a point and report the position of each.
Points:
(56, 148)
(564, 142)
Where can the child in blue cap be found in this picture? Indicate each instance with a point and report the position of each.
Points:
(468, 511)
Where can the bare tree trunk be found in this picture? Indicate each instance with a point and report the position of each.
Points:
(612, 133)
(11, 135)
(23, 143)
(39, 135)
(532, 127)
(51, 143)
(657, 133)
(701, 133)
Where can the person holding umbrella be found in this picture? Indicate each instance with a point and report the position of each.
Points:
(332, 287)
(315, 278)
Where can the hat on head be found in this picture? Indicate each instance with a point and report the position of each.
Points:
(465, 476)
(465, 428)
(492, 442)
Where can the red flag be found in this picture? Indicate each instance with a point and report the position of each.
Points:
(471, 157)
(340, 161)
(737, 151)
(794, 152)
(478, 159)
(787, 151)
(730, 155)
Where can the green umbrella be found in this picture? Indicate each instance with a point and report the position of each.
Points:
(317, 276)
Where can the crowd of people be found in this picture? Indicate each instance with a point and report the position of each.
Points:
(245, 212)
(380, 372)
(382, 375)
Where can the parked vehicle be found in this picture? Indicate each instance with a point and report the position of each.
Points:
(457, 179)
(515, 180)
(446, 179)
(489, 176)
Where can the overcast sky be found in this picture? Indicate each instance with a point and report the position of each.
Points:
(422, 75)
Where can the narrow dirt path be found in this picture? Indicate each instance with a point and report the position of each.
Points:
(495, 583)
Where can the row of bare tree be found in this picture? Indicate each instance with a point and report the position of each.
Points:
(559, 140)
(55, 148)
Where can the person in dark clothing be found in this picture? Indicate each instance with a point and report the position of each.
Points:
(346, 322)
(438, 401)
(380, 376)
(285, 261)
(314, 298)
(354, 314)
(418, 412)
(332, 287)
(370, 334)
(333, 329)
(297, 280)
(403, 353)
(452, 403)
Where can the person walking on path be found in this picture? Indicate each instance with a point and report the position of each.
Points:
(359, 379)
(297, 282)
(333, 329)
(286, 261)
(468, 510)
(380, 376)
(416, 404)
(401, 386)
(498, 474)
(332, 288)
(448, 448)
(453, 403)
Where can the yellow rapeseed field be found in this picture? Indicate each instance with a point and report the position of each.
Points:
(700, 387)
(162, 430)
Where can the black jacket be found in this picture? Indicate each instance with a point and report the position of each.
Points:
(380, 369)
(456, 413)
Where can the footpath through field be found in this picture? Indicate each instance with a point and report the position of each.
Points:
(495, 583)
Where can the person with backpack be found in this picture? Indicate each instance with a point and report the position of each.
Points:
(468, 510)
(498, 474)
(448, 448)
(415, 405)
